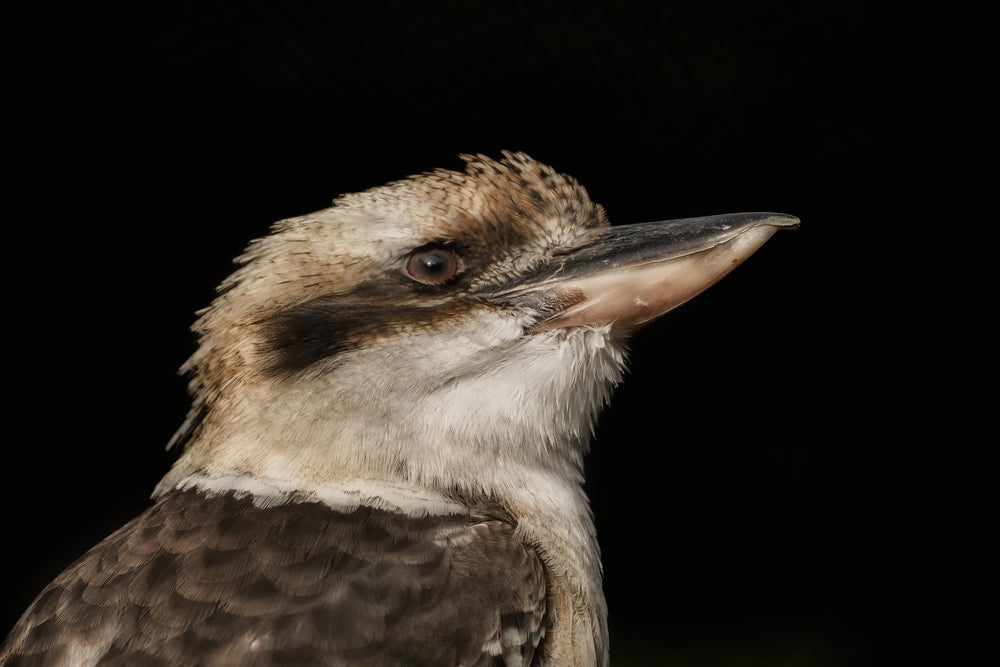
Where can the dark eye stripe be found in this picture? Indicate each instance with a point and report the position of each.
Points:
(295, 338)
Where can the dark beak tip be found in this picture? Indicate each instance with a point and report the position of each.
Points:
(782, 220)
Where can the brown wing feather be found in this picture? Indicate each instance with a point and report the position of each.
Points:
(217, 580)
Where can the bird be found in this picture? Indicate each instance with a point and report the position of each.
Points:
(392, 399)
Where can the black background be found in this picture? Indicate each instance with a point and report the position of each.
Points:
(745, 502)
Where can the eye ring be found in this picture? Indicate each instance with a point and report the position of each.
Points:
(433, 265)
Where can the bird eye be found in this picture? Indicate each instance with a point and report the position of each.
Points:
(432, 265)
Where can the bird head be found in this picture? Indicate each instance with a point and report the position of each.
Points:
(453, 331)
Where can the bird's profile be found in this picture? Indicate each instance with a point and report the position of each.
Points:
(383, 464)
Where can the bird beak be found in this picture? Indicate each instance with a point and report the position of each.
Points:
(632, 274)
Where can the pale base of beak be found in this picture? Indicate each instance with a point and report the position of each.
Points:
(634, 295)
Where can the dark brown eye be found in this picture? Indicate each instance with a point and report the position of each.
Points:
(433, 265)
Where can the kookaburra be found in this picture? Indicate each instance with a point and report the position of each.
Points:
(383, 464)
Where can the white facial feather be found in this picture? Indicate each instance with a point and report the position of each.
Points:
(468, 408)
